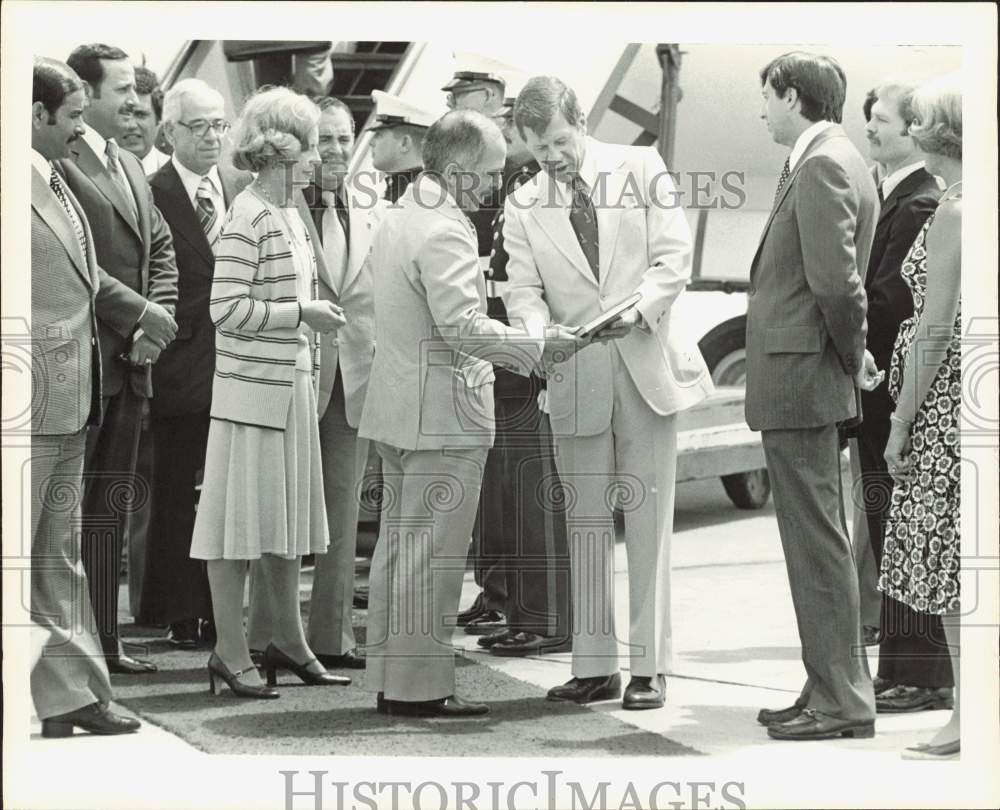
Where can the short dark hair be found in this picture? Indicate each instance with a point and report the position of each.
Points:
(457, 135)
(330, 103)
(51, 82)
(148, 84)
(539, 101)
(86, 61)
(870, 98)
(819, 81)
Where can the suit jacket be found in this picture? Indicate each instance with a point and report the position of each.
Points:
(138, 254)
(66, 367)
(806, 301)
(182, 376)
(352, 347)
(645, 247)
(890, 301)
(431, 383)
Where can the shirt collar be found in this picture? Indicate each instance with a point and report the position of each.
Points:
(192, 180)
(890, 183)
(97, 142)
(41, 164)
(803, 141)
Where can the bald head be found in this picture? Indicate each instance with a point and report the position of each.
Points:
(466, 151)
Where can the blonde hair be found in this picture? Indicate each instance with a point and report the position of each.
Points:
(937, 109)
(274, 121)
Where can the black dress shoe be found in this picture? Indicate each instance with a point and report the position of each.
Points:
(905, 699)
(471, 612)
(360, 599)
(871, 635)
(347, 660)
(645, 692)
(880, 685)
(768, 717)
(184, 635)
(275, 659)
(521, 644)
(814, 725)
(206, 631)
(489, 621)
(95, 718)
(588, 690)
(450, 706)
(126, 665)
(495, 638)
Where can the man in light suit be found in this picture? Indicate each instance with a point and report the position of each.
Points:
(70, 686)
(429, 408)
(193, 192)
(597, 225)
(914, 669)
(805, 359)
(339, 217)
(133, 244)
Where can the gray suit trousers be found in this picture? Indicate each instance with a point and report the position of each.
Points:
(71, 672)
(804, 466)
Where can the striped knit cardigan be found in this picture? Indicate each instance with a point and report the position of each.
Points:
(257, 314)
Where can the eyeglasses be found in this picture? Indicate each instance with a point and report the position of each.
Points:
(200, 128)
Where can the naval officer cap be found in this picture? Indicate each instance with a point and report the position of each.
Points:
(392, 111)
(473, 71)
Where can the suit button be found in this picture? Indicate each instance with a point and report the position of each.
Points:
(751, 290)
(60, 378)
(61, 357)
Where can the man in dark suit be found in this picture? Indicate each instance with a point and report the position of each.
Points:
(193, 193)
(133, 244)
(805, 355)
(69, 682)
(914, 670)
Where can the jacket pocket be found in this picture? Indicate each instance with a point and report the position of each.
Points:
(793, 340)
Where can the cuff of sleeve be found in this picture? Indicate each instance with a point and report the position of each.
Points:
(287, 314)
(139, 319)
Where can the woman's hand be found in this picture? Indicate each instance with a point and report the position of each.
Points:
(897, 451)
(322, 316)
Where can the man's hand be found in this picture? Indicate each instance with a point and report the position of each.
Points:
(144, 350)
(158, 325)
(619, 327)
(561, 343)
(323, 316)
(869, 377)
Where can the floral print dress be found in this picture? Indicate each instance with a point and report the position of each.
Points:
(920, 561)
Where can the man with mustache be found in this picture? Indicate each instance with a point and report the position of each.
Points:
(133, 244)
(141, 133)
(193, 192)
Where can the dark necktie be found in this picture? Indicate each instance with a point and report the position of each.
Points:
(584, 221)
(881, 193)
(207, 215)
(55, 183)
(785, 171)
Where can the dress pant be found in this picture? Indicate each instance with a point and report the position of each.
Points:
(344, 459)
(138, 524)
(71, 672)
(913, 650)
(632, 464)
(864, 559)
(804, 467)
(175, 587)
(520, 511)
(112, 492)
(428, 508)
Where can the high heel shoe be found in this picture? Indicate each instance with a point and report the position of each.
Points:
(275, 659)
(218, 669)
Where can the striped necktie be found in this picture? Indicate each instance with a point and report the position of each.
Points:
(207, 215)
(785, 171)
(55, 183)
(584, 221)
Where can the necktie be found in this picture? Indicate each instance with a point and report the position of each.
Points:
(115, 170)
(785, 171)
(207, 215)
(55, 183)
(334, 239)
(584, 221)
(881, 194)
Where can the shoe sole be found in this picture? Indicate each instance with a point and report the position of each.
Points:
(606, 694)
(640, 705)
(933, 705)
(858, 733)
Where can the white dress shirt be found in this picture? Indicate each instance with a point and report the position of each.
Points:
(890, 182)
(803, 141)
(99, 144)
(154, 160)
(192, 181)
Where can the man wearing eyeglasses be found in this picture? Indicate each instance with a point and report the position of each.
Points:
(193, 194)
(133, 244)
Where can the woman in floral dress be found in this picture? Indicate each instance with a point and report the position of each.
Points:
(920, 563)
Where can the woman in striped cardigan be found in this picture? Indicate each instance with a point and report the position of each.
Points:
(262, 498)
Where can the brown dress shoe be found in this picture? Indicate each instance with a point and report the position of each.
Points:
(814, 725)
(95, 718)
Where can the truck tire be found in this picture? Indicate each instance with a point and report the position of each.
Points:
(724, 350)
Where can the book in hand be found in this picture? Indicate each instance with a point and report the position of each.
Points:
(608, 317)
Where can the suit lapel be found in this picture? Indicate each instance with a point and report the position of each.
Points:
(91, 166)
(905, 188)
(181, 214)
(360, 239)
(609, 215)
(44, 201)
(553, 219)
(137, 180)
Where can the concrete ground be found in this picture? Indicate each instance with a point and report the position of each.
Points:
(736, 650)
